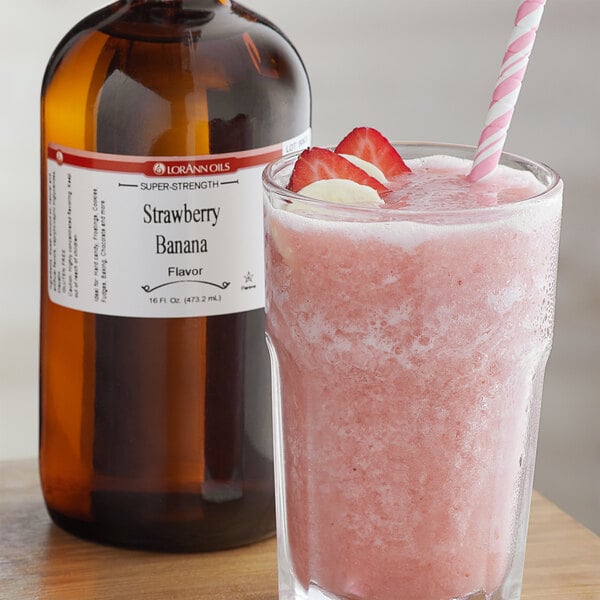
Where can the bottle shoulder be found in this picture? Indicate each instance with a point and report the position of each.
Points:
(129, 80)
(161, 23)
(230, 38)
(79, 34)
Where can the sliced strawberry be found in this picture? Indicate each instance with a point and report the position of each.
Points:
(316, 164)
(370, 145)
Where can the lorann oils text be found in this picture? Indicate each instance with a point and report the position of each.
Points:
(184, 214)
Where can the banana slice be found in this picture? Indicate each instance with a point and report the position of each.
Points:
(368, 167)
(342, 191)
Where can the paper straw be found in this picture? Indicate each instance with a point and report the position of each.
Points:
(507, 88)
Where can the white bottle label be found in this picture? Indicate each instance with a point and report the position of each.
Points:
(157, 236)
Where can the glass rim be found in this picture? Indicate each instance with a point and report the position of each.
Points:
(554, 182)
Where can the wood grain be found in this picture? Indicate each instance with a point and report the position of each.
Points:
(38, 561)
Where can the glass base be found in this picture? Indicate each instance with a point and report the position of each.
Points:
(314, 592)
(290, 587)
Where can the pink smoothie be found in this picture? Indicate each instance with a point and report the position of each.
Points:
(411, 356)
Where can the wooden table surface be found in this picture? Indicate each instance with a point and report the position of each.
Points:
(38, 561)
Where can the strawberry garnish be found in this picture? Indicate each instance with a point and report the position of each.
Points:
(317, 164)
(368, 144)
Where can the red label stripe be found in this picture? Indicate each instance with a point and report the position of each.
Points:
(165, 166)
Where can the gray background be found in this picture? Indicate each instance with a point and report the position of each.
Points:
(415, 70)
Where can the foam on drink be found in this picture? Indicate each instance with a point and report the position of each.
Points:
(441, 183)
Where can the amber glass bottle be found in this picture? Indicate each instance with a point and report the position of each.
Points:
(155, 428)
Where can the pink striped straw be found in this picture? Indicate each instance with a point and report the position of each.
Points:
(507, 89)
